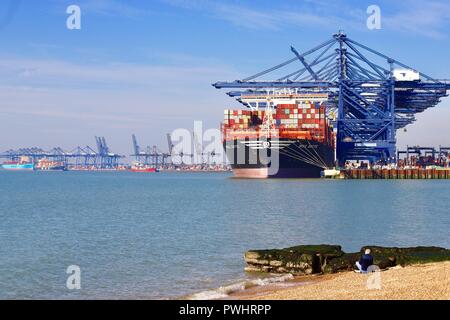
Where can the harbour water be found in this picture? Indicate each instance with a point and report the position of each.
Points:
(166, 235)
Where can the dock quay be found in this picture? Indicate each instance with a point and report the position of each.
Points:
(417, 173)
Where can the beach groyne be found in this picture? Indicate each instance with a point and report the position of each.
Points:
(315, 259)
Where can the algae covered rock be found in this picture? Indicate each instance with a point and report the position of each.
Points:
(309, 259)
(410, 255)
(305, 259)
(347, 262)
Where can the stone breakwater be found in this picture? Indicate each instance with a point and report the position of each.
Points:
(313, 259)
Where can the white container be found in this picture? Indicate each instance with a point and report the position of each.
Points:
(406, 75)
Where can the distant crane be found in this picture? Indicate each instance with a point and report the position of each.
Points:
(200, 152)
(175, 153)
(136, 148)
(169, 143)
(140, 156)
(108, 160)
(84, 157)
(198, 149)
(152, 156)
(78, 157)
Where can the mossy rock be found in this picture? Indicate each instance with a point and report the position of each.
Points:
(298, 251)
(410, 255)
(304, 259)
(323, 249)
(384, 261)
(295, 254)
(308, 259)
(346, 262)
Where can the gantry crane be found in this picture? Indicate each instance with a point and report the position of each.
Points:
(370, 95)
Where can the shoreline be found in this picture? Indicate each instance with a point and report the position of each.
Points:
(429, 281)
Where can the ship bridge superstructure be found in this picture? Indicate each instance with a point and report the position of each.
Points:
(369, 95)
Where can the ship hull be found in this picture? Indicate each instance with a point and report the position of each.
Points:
(18, 167)
(53, 168)
(143, 170)
(288, 158)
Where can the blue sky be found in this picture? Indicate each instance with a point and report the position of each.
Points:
(146, 67)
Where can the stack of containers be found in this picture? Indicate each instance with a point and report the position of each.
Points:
(236, 119)
(306, 119)
(286, 116)
(242, 119)
(304, 116)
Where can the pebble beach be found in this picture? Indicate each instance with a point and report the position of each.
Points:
(414, 282)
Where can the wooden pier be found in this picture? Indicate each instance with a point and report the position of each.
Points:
(443, 173)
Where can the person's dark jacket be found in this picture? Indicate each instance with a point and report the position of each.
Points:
(366, 261)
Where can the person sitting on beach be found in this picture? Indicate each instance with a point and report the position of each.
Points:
(364, 262)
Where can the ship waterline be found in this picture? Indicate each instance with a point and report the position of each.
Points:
(280, 158)
(18, 166)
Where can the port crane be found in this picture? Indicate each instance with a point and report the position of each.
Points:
(107, 159)
(84, 157)
(78, 157)
(370, 95)
(159, 158)
(140, 156)
(201, 154)
(152, 156)
(175, 153)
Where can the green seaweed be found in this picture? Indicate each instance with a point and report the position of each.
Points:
(299, 253)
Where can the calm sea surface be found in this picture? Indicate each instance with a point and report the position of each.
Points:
(170, 234)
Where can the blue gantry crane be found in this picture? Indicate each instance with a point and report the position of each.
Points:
(151, 156)
(370, 95)
(107, 159)
(76, 158)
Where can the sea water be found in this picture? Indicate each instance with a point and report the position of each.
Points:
(167, 235)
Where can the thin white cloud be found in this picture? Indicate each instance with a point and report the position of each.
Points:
(110, 8)
(277, 18)
(244, 17)
(62, 73)
(113, 99)
(424, 18)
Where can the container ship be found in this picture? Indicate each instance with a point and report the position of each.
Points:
(290, 138)
(24, 163)
(49, 165)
